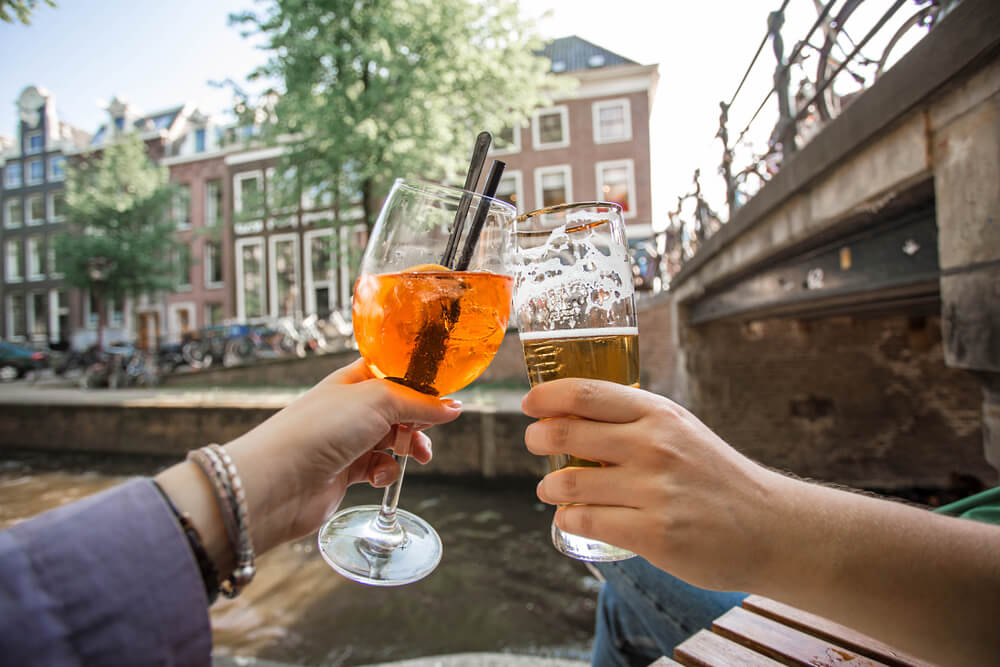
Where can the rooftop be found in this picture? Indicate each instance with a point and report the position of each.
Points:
(574, 53)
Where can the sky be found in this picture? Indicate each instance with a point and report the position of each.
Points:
(160, 54)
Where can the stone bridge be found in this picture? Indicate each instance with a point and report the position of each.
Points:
(845, 324)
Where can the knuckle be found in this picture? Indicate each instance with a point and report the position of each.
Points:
(559, 432)
(584, 395)
(567, 485)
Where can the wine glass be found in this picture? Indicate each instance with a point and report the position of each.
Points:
(433, 329)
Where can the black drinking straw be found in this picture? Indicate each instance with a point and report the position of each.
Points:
(492, 184)
(483, 141)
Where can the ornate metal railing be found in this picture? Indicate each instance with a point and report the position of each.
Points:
(826, 57)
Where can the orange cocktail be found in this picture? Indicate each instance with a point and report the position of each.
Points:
(433, 330)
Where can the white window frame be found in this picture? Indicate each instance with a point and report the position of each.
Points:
(536, 140)
(515, 146)
(272, 271)
(28, 220)
(238, 179)
(50, 206)
(629, 165)
(310, 286)
(206, 310)
(7, 171)
(90, 318)
(27, 143)
(210, 202)
(7, 216)
(53, 176)
(188, 286)
(240, 296)
(27, 172)
(9, 275)
(181, 224)
(9, 307)
(29, 316)
(346, 284)
(209, 283)
(35, 272)
(565, 169)
(56, 308)
(518, 187)
(50, 258)
(596, 108)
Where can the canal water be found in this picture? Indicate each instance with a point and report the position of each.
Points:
(500, 585)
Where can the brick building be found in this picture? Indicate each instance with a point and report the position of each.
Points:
(591, 144)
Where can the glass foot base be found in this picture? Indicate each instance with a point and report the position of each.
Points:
(584, 548)
(345, 542)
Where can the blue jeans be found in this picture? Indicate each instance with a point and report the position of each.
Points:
(643, 613)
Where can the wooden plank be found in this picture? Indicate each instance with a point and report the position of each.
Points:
(830, 631)
(665, 662)
(706, 649)
(786, 644)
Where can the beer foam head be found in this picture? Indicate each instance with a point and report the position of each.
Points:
(579, 277)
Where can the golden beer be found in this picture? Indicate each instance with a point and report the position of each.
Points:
(610, 354)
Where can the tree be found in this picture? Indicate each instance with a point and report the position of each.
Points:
(121, 238)
(19, 10)
(364, 92)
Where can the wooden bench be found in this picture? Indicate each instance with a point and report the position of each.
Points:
(763, 633)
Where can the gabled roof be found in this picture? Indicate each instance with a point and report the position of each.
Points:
(161, 120)
(575, 53)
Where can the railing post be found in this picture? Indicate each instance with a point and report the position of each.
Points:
(784, 130)
(726, 169)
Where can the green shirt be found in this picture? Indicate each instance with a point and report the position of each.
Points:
(984, 506)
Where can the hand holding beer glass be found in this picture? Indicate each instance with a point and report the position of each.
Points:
(430, 328)
(575, 312)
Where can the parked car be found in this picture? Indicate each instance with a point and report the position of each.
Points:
(15, 361)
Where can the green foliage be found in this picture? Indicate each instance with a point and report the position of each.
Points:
(19, 10)
(117, 205)
(365, 92)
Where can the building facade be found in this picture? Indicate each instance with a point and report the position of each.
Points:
(592, 143)
(37, 306)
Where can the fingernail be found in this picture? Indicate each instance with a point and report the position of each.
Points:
(381, 478)
(452, 403)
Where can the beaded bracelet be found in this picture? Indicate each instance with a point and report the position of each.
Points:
(209, 573)
(221, 472)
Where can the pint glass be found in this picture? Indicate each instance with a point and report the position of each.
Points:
(574, 307)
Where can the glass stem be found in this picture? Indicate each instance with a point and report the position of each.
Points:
(386, 533)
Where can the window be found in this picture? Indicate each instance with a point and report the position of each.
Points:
(17, 326)
(57, 168)
(213, 314)
(181, 207)
(92, 310)
(511, 189)
(612, 121)
(508, 140)
(52, 261)
(12, 175)
(284, 274)
(212, 259)
(116, 314)
(321, 272)
(38, 311)
(34, 143)
(550, 128)
(35, 257)
(182, 267)
(57, 206)
(352, 246)
(58, 315)
(36, 172)
(199, 140)
(250, 278)
(13, 212)
(283, 190)
(553, 185)
(36, 210)
(213, 203)
(15, 261)
(247, 194)
(616, 183)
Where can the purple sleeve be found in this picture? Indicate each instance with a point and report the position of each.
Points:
(108, 580)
